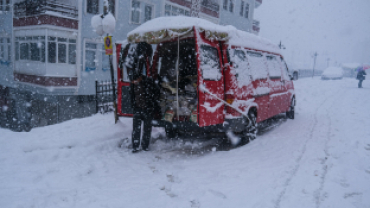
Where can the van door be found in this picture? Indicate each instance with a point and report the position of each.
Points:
(259, 76)
(275, 85)
(211, 77)
(124, 106)
(287, 86)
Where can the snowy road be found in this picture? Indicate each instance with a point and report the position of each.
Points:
(320, 159)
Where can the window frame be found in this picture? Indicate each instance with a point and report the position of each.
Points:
(131, 13)
(44, 49)
(231, 6)
(241, 13)
(246, 11)
(151, 14)
(99, 53)
(87, 5)
(178, 7)
(225, 5)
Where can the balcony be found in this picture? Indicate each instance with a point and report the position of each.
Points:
(258, 3)
(256, 27)
(28, 8)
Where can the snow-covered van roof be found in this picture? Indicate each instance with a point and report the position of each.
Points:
(161, 28)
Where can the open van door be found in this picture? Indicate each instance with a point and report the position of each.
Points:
(210, 75)
(124, 106)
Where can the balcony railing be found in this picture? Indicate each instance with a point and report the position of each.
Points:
(37, 7)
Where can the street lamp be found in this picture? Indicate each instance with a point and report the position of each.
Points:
(281, 46)
(106, 24)
(314, 63)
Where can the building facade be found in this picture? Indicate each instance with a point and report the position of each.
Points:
(49, 51)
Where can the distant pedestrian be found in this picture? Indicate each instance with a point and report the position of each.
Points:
(361, 77)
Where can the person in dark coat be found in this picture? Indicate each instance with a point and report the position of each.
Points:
(142, 96)
(361, 77)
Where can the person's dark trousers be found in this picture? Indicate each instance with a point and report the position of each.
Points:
(146, 118)
(360, 83)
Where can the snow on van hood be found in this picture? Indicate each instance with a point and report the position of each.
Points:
(160, 28)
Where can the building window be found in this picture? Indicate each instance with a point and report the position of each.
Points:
(135, 12)
(92, 6)
(7, 5)
(112, 7)
(72, 51)
(62, 50)
(24, 55)
(2, 50)
(246, 14)
(52, 50)
(105, 60)
(90, 56)
(175, 11)
(225, 4)
(148, 12)
(33, 49)
(231, 6)
(242, 9)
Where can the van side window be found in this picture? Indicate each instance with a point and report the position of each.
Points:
(210, 63)
(240, 67)
(257, 66)
(285, 71)
(273, 66)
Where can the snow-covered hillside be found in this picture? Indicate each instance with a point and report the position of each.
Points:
(320, 159)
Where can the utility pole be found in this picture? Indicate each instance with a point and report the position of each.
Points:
(328, 59)
(314, 63)
(281, 46)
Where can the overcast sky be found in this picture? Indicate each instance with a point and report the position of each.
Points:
(336, 29)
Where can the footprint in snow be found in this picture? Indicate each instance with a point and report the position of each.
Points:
(168, 192)
(367, 147)
(218, 194)
(195, 203)
(173, 179)
(352, 194)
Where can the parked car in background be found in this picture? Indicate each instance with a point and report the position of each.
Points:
(332, 73)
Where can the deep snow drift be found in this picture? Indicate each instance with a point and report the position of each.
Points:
(320, 159)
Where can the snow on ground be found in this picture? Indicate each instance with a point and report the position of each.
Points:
(320, 159)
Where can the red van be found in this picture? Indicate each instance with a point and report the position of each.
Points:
(211, 78)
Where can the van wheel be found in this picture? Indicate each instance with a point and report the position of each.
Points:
(290, 113)
(250, 132)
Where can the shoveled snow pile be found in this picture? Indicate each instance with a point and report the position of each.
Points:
(320, 159)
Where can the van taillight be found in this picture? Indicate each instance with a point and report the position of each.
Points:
(229, 99)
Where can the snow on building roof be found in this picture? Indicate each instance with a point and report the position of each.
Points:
(160, 28)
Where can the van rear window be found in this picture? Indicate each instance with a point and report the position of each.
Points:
(210, 63)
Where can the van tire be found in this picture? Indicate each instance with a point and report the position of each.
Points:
(290, 112)
(250, 132)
